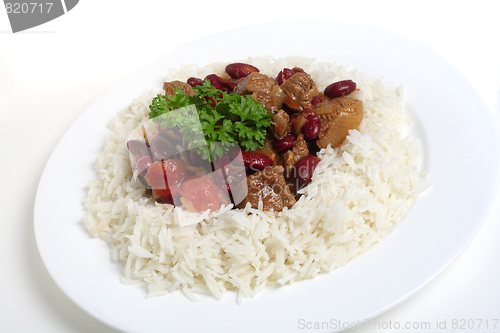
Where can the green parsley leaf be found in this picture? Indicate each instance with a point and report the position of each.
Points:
(211, 130)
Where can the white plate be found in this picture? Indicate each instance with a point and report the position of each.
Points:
(461, 154)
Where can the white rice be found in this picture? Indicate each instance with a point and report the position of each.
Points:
(358, 194)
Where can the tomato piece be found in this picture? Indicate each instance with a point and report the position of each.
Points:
(164, 177)
(175, 170)
(202, 193)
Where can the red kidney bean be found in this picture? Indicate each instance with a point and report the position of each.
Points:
(284, 75)
(194, 81)
(255, 161)
(311, 128)
(305, 168)
(285, 144)
(238, 70)
(298, 70)
(316, 100)
(340, 88)
(215, 81)
(312, 125)
(211, 99)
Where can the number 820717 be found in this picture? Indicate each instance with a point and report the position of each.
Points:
(28, 7)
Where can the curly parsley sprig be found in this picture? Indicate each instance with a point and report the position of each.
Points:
(211, 130)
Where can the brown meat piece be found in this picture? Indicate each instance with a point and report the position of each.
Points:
(299, 90)
(264, 90)
(266, 100)
(298, 151)
(170, 87)
(280, 125)
(269, 186)
(255, 82)
(278, 95)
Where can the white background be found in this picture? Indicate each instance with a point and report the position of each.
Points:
(50, 74)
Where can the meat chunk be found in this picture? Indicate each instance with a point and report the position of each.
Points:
(269, 186)
(299, 90)
(170, 87)
(254, 82)
(280, 125)
(278, 95)
(266, 100)
(263, 89)
(298, 151)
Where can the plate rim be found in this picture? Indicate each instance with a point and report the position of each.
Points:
(456, 254)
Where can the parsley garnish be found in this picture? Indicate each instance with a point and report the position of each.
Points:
(235, 120)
